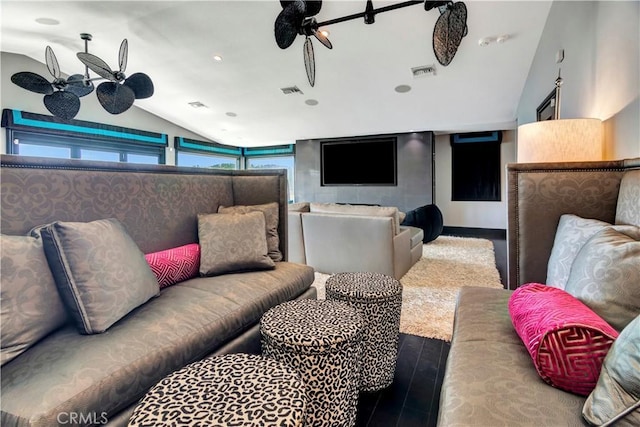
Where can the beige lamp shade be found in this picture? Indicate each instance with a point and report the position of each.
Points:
(566, 140)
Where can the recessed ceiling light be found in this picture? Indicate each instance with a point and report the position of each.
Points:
(217, 58)
(403, 88)
(231, 114)
(47, 21)
(311, 102)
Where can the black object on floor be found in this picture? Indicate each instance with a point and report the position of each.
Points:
(429, 218)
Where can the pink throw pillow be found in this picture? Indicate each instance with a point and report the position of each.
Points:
(567, 341)
(175, 265)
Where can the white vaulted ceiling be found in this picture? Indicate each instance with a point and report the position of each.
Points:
(174, 42)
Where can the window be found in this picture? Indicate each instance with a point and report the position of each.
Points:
(30, 134)
(273, 157)
(26, 143)
(207, 160)
(26, 149)
(275, 162)
(205, 154)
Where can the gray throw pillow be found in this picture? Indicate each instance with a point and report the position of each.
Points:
(30, 305)
(571, 234)
(99, 270)
(616, 397)
(232, 242)
(271, 212)
(606, 275)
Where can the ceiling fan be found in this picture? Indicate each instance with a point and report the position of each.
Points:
(298, 18)
(62, 96)
(119, 92)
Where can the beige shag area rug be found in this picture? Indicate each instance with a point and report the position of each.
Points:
(431, 286)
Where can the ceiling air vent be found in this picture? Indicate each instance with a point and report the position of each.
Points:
(197, 104)
(291, 90)
(423, 71)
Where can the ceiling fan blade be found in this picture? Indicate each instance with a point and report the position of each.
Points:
(114, 97)
(428, 5)
(448, 32)
(96, 65)
(62, 104)
(141, 85)
(288, 23)
(77, 85)
(52, 62)
(123, 55)
(322, 39)
(313, 7)
(309, 61)
(33, 82)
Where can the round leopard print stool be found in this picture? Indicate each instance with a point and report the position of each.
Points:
(379, 298)
(322, 340)
(229, 390)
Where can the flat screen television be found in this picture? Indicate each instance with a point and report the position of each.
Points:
(370, 161)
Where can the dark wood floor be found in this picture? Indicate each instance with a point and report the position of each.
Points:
(414, 396)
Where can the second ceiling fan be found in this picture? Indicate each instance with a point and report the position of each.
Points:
(298, 18)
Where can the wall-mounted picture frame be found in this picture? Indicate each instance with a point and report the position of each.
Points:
(547, 109)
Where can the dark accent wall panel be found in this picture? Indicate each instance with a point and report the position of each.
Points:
(415, 176)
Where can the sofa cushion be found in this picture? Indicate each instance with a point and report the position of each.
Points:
(489, 378)
(232, 242)
(616, 398)
(109, 372)
(567, 341)
(99, 271)
(571, 234)
(175, 265)
(389, 211)
(31, 307)
(627, 211)
(270, 211)
(606, 273)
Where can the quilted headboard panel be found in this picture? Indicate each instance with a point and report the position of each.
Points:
(158, 205)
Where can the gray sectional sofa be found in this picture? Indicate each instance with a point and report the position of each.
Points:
(82, 379)
(490, 379)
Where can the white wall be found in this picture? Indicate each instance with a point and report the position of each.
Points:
(601, 69)
(14, 97)
(471, 214)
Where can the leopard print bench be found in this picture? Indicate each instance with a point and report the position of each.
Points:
(231, 390)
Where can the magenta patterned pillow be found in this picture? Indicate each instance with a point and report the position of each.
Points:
(175, 265)
(567, 341)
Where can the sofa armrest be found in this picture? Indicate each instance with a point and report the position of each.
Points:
(296, 238)
(402, 261)
(335, 243)
(539, 193)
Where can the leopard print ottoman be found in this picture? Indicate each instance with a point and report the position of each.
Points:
(229, 390)
(379, 298)
(322, 340)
